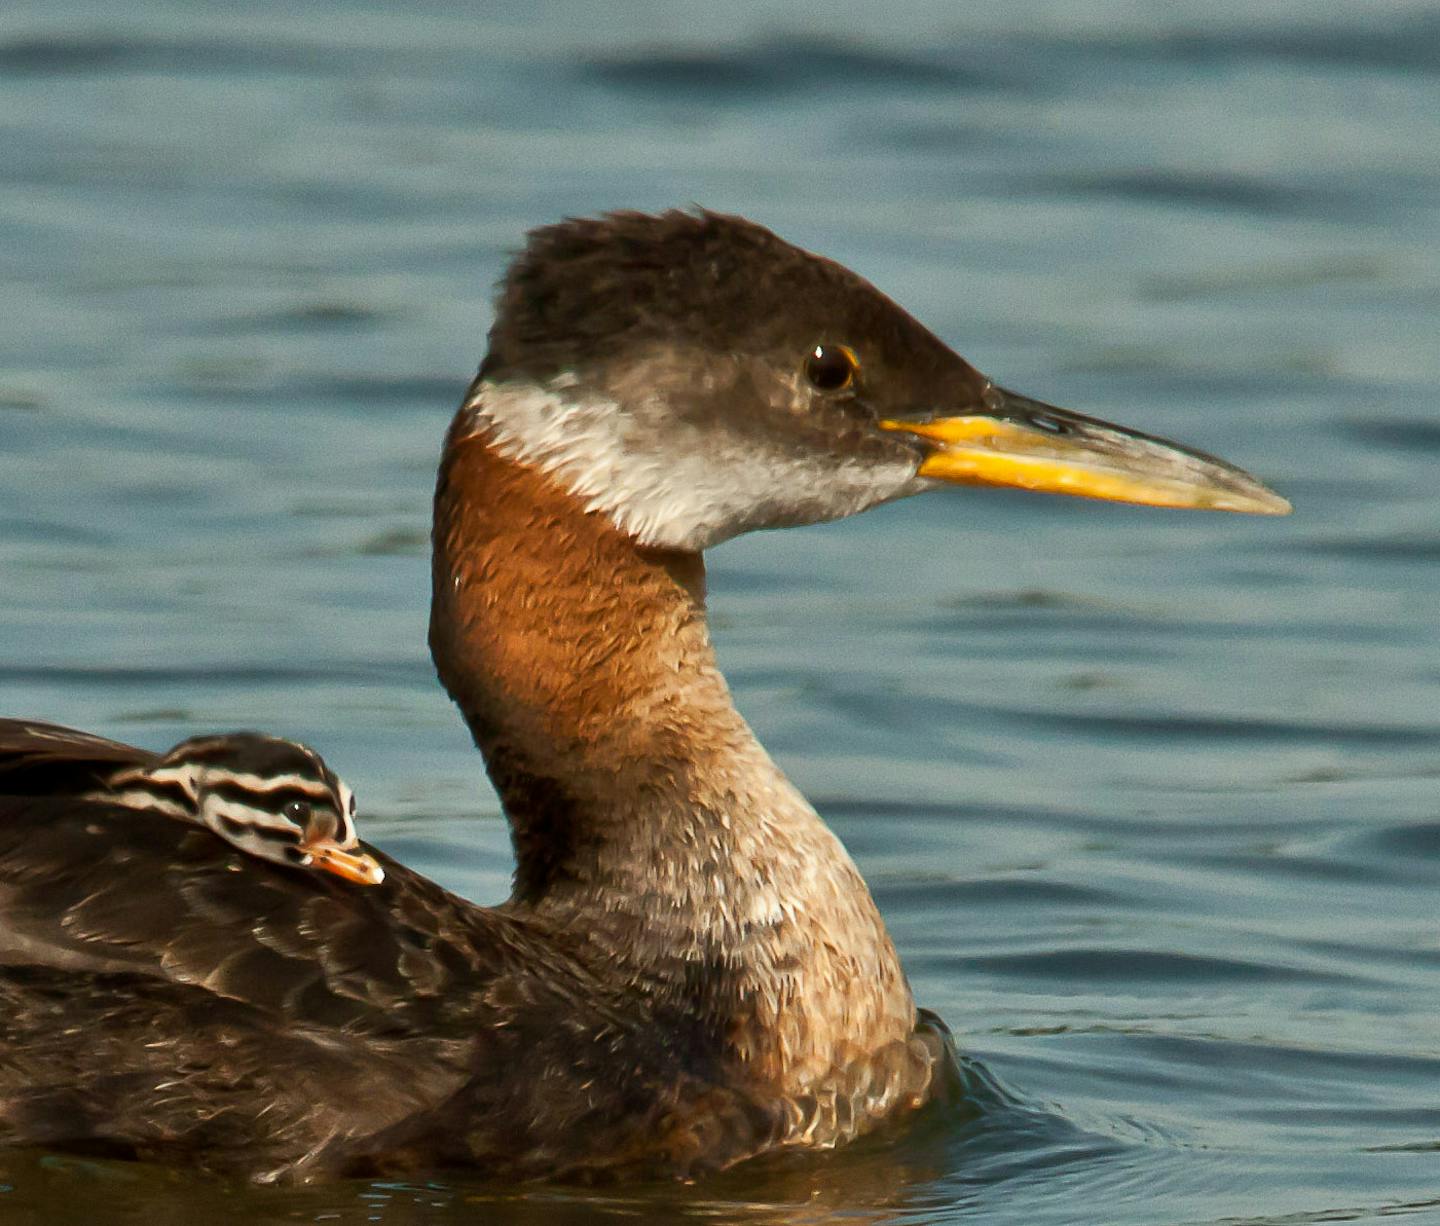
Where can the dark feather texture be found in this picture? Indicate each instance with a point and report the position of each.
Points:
(163, 996)
(166, 997)
(47, 760)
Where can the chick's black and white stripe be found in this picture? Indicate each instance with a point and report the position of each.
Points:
(272, 798)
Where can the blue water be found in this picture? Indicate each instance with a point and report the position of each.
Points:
(1150, 800)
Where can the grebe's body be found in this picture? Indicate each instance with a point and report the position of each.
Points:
(690, 970)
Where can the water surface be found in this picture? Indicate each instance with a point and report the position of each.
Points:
(1150, 800)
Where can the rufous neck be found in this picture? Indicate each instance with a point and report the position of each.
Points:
(644, 812)
(582, 662)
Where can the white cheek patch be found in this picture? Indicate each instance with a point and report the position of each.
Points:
(346, 836)
(136, 798)
(182, 777)
(682, 488)
(224, 816)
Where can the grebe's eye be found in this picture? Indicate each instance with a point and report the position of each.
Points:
(296, 811)
(831, 368)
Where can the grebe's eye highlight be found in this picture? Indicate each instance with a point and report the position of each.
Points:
(831, 368)
(296, 811)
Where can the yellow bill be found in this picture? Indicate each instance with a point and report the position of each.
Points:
(350, 865)
(1034, 446)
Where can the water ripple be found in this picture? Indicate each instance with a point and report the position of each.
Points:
(781, 67)
(1098, 965)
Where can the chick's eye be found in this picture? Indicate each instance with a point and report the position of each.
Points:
(297, 811)
(830, 368)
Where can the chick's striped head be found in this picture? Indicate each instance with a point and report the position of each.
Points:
(272, 798)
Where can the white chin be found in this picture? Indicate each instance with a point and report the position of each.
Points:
(678, 490)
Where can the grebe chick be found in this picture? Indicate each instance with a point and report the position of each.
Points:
(272, 798)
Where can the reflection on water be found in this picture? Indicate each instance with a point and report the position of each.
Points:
(947, 1155)
(1150, 801)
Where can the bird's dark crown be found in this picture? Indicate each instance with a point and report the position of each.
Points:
(587, 291)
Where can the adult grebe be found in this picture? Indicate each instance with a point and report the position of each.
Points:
(690, 970)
